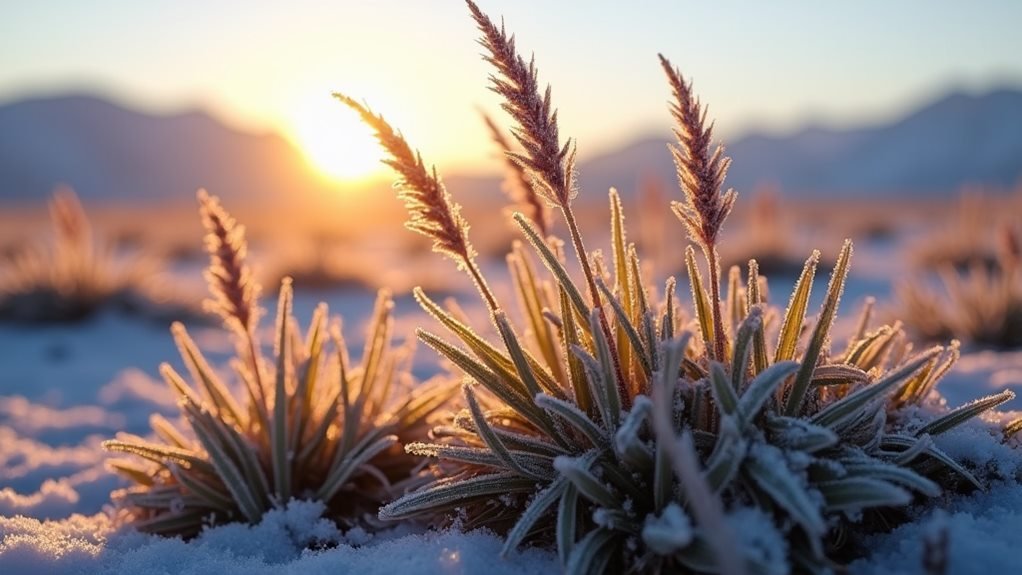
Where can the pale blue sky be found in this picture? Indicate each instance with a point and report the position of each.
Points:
(265, 65)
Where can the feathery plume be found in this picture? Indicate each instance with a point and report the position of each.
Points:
(700, 175)
(549, 165)
(516, 184)
(432, 211)
(700, 172)
(235, 292)
(69, 221)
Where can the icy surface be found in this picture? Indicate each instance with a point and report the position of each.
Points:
(294, 540)
(65, 388)
(984, 532)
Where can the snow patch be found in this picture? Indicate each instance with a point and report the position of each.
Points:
(294, 540)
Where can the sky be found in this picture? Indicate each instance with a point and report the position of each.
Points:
(262, 65)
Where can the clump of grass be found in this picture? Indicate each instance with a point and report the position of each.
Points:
(967, 242)
(981, 305)
(76, 274)
(311, 422)
(604, 427)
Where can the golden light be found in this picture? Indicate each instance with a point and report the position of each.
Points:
(334, 140)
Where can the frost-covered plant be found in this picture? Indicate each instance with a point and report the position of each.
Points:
(516, 182)
(76, 274)
(603, 427)
(981, 306)
(311, 425)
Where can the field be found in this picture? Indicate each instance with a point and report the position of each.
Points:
(530, 374)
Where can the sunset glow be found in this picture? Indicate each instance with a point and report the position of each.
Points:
(474, 287)
(334, 140)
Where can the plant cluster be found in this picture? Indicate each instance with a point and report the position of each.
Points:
(77, 274)
(981, 305)
(967, 241)
(606, 428)
(311, 423)
(605, 420)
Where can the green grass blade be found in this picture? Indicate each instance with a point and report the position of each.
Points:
(514, 349)
(481, 374)
(797, 434)
(537, 508)
(700, 300)
(553, 264)
(577, 470)
(162, 454)
(612, 388)
(280, 451)
(744, 348)
(786, 490)
(795, 314)
(849, 405)
(447, 495)
(852, 494)
(720, 385)
(566, 530)
(576, 371)
(208, 494)
(893, 474)
(492, 440)
(934, 453)
(572, 415)
(201, 372)
(965, 413)
(820, 338)
(241, 487)
(762, 389)
(624, 325)
(359, 456)
(760, 357)
(622, 279)
(725, 461)
(667, 322)
(593, 553)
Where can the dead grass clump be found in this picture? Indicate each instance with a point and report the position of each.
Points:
(76, 274)
(981, 306)
(969, 241)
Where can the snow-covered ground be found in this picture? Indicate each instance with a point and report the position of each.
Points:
(64, 388)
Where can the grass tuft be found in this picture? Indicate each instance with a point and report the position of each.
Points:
(981, 306)
(632, 445)
(311, 426)
(78, 274)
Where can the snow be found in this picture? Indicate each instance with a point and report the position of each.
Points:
(669, 532)
(292, 540)
(983, 536)
(65, 388)
(983, 373)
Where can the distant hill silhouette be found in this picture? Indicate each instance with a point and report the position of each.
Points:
(108, 152)
(958, 139)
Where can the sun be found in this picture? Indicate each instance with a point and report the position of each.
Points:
(334, 140)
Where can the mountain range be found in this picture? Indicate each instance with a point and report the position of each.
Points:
(107, 152)
(956, 140)
(110, 153)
